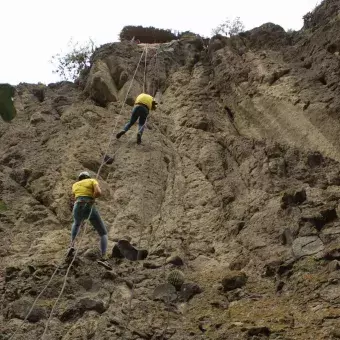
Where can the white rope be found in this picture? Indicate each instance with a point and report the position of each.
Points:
(85, 223)
(37, 298)
(121, 110)
(85, 226)
(65, 280)
(146, 55)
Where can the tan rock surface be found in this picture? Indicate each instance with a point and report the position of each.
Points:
(240, 127)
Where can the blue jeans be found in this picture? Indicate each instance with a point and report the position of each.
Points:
(139, 113)
(81, 211)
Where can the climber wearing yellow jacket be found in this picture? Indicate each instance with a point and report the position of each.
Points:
(143, 104)
(85, 190)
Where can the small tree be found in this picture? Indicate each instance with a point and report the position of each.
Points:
(69, 65)
(308, 18)
(229, 27)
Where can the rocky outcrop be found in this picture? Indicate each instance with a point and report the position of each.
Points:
(100, 85)
(235, 184)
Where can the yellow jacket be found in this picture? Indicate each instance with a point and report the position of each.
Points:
(84, 187)
(145, 99)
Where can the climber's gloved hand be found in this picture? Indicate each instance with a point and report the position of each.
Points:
(154, 105)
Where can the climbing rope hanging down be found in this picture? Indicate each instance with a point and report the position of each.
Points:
(161, 219)
(140, 237)
(97, 176)
(120, 112)
(143, 208)
(84, 226)
(143, 224)
(146, 55)
(165, 238)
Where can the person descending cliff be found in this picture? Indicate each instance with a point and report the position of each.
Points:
(143, 104)
(7, 109)
(85, 191)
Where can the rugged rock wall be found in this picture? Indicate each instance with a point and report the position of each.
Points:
(238, 174)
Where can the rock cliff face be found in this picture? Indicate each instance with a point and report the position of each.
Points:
(236, 183)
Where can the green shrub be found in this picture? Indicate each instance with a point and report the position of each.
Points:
(229, 28)
(71, 64)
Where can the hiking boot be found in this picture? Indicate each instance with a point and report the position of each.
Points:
(139, 138)
(104, 263)
(120, 134)
(70, 252)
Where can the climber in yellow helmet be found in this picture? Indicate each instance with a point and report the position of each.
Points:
(85, 190)
(143, 104)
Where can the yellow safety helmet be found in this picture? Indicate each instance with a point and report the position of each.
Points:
(147, 100)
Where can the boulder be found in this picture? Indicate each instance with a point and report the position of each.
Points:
(175, 260)
(189, 290)
(234, 280)
(78, 308)
(307, 245)
(20, 308)
(165, 292)
(100, 85)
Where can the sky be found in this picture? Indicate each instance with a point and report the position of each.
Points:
(32, 31)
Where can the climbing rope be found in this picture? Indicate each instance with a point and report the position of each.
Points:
(161, 220)
(37, 298)
(145, 66)
(161, 223)
(143, 204)
(140, 237)
(97, 176)
(157, 72)
(143, 218)
(120, 112)
(165, 236)
(65, 278)
(84, 225)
